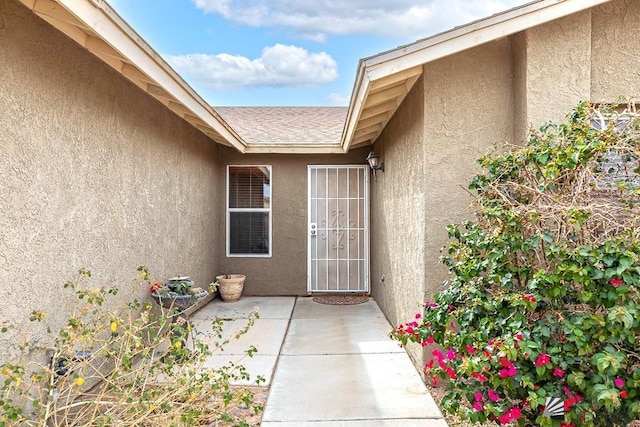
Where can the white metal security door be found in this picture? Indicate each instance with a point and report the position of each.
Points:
(338, 253)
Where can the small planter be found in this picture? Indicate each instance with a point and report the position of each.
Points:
(182, 302)
(230, 286)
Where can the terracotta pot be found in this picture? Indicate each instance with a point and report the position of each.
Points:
(230, 286)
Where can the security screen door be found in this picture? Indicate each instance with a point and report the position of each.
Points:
(338, 233)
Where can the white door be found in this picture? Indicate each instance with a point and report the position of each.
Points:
(338, 253)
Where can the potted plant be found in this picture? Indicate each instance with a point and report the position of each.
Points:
(230, 286)
(177, 292)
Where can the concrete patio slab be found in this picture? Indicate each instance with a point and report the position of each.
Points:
(362, 423)
(340, 335)
(258, 365)
(267, 307)
(348, 387)
(266, 335)
(306, 308)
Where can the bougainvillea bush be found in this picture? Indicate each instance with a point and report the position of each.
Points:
(542, 300)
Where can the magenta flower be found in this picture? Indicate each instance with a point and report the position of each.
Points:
(507, 372)
(451, 354)
(478, 406)
(616, 282)
(542, 360)
(619, 382)
(511, 414)
(478, 397)
(557, 372)
(493, 395)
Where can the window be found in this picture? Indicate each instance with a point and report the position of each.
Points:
(249, 211)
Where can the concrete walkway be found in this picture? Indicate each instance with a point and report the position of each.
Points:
(326, 365)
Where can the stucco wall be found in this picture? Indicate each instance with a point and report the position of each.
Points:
(285, 272)
(398, 214)
(615, 55)
(469, 107)
(94, 174)
(558, 56)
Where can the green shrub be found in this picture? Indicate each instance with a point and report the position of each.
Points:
(133, 365)
(542, 299)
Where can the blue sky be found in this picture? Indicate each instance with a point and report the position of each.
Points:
(287, 52)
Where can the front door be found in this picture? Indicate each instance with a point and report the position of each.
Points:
(338, 229)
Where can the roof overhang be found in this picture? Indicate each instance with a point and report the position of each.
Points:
(294, 149)
(98, 28)
(382, 81)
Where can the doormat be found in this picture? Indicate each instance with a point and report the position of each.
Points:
(341, 299)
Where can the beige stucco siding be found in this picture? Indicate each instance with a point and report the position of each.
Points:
(94, 174)
(468, 107)
(558, 71)
(398, 213)
(285, 272)
(616, 54)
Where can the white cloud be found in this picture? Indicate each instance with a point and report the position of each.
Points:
(398, 19)
(279, 66)
(338, 99)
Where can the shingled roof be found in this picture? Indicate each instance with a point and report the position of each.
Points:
(273, 129)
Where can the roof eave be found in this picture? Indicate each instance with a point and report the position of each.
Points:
(98, 28)
(411, 57)
(294, 149)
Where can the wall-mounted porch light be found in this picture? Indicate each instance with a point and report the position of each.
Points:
(374, 163)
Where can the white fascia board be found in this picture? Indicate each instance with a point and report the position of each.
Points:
(472, 35)
(294, 149)
(451, 42)
(358, 97)
(104, 21)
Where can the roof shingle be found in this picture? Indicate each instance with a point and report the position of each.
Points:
(286, 125)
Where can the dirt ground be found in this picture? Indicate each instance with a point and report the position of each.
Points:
(260, 395)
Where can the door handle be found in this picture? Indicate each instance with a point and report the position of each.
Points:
(313, 228)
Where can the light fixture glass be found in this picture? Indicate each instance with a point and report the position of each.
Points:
(374, 163)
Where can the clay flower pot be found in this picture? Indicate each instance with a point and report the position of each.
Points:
(230, 286)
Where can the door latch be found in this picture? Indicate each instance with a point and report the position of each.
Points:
(312, 228)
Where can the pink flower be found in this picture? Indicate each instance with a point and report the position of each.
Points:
(438, 354)
(429, 304)
(529, 298)
(434, 381)
(619, 382)
(418, 315)
(511, 414)
(451, 354)
(616, 282)
(557, 372)
(519, 336)
(452, 373)
(478, 406)
(507, 372)
(470, 349)
(493, 395)
(505, 362)
(542, 360)
(478, 397)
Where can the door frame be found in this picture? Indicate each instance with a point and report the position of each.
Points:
(365, 286)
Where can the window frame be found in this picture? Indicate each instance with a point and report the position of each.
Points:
(230, 210)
